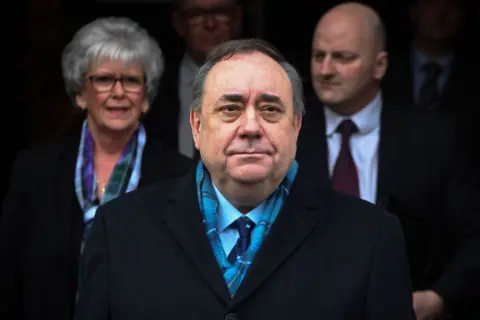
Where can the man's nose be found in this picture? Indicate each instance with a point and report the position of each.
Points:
(250, 126)
(326, 67)
(210, 22)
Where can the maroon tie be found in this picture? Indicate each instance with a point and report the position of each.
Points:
(345, 175)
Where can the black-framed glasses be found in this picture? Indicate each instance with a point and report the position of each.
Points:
(105, 83)
(195, 16)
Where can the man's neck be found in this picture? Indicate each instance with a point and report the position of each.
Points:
(351, 107)
(243, 197)
(432, 49)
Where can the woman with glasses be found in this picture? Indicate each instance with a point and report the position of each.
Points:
(111, 70)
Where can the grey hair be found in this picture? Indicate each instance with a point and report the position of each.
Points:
(247, 46)
(113, 38)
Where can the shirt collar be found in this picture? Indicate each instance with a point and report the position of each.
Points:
(366, 120)
(227, 213)
(420, 59)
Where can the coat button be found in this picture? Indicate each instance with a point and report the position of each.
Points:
(231, 316)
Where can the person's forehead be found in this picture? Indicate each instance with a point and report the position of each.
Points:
(242, 73)
(106, 64)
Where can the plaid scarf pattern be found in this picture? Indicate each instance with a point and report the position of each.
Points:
(125, 176)
(235, 273)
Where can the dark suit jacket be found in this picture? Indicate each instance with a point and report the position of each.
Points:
(163, 117)
(455, 97)
(424, 179)
(327, 256)
(42, 227)
(459, 98)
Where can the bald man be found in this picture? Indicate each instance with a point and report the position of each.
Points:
(402, 159)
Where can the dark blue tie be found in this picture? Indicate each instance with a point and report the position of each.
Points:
(244, 226)
(429, 91)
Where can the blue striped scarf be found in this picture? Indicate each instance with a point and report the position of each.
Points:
(125, 176)
(235, 273)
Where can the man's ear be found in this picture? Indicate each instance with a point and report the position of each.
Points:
(196, 124)
(381, 65)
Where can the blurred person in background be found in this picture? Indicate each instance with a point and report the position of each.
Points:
(111, 69)
(202, 24)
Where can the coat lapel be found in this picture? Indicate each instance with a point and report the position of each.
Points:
(186, 223)
(296, 220)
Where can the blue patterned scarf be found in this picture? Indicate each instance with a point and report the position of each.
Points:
(234, 274)
(125, 176)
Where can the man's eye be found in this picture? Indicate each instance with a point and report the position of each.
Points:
(230, 108)
(271, 108)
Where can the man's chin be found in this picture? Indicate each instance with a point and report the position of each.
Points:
(250, 177)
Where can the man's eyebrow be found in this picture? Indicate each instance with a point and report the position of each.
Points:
(232, 97)
(264, 97)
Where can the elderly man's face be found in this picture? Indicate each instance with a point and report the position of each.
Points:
(246, 130)
(204, 24)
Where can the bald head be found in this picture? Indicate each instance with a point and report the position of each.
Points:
(360, 19)
(348, 57)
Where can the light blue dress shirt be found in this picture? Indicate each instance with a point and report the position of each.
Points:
(227, 214)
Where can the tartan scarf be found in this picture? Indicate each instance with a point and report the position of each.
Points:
(125, 176)
(235, 273)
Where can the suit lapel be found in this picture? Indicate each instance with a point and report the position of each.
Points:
(186, 223)
(391, 146)
(296, 220)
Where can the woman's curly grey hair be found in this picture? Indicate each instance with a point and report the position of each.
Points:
(112, 38)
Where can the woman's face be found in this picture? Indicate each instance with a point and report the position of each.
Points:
(114, 95)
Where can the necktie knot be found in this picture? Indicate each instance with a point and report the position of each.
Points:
(347, 128)
(244, 226)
